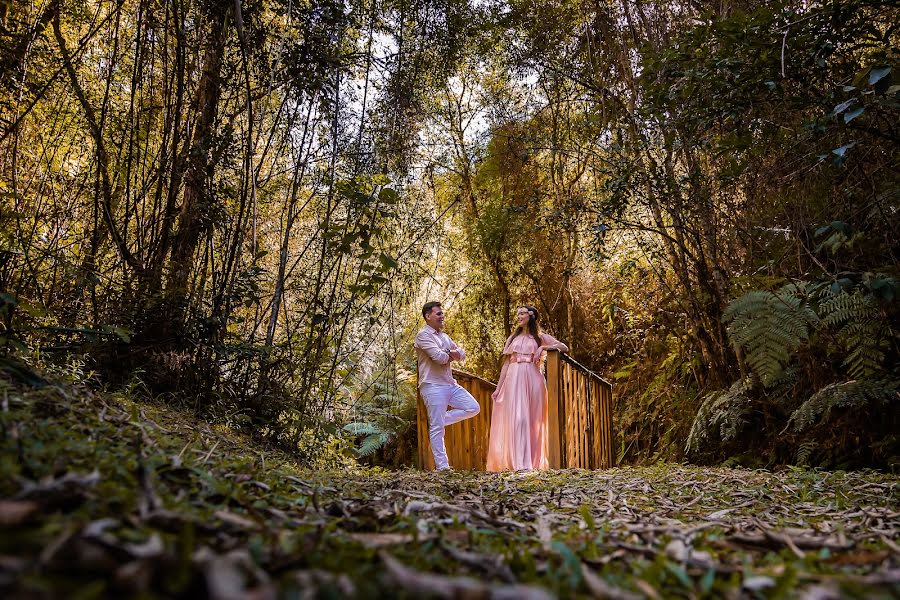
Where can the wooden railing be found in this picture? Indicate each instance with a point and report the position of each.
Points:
(580, 407)
(580, 427)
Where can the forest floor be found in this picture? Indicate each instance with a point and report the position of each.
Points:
(103, 496)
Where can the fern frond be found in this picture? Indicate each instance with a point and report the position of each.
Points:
(860, 327)
(372, 443)
(857, 394)
(360, 428)
(769, 327)
(804, 453)
(724, 411)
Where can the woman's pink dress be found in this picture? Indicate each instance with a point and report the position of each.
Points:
(519, 422)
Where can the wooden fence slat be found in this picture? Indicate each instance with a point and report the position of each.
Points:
(588, 426)
(573, 412)
(589, 418)
(598, 440)
(608, 428)
(576, 417)
(588, 429)
(592, 415)
(595, 413)
(605, 450)
(585, 414)
(555, 458)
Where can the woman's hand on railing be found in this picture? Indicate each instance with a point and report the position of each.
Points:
(557, 346)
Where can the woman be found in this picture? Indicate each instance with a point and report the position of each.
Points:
(519, 421)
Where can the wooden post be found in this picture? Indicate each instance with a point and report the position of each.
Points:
(556, 421)
(426, 458)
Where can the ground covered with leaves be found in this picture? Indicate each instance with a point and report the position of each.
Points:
(104, 496)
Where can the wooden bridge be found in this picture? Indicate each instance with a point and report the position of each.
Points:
(580, 408)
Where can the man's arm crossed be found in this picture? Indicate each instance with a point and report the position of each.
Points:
(426, 342)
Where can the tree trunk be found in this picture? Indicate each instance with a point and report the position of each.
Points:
(193, 217)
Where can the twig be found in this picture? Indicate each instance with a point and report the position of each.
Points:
(208, 454)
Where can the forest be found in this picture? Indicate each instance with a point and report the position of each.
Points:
(229, 215)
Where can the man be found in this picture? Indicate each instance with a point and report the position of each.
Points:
(436, 352)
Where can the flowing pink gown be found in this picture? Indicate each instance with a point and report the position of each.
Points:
(519, 421)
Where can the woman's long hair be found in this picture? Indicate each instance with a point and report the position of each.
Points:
(533, 328)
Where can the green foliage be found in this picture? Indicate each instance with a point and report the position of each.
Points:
(374, 439)
(769, 327)
(860, 328)
(386, 411)
(722, 415)
(875, 398)
(804, 452)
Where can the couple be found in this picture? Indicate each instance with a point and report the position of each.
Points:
(519, 421)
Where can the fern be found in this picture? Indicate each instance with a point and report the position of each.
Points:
(375, 437)
(859, 326)
(769, 327)
(864, 395)
(372, 443)
(723, 411)
(805, 452)
(361, 428)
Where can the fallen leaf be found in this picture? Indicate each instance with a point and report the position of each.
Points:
(754, 583)
(418, 583)
(600, 589)
(380, 540)
(235, 519)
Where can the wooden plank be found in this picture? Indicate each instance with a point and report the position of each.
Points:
(422, 429)
(468, 437)
(479, 430)
(425, 454)
(607, 429)
(602, 450)
(610, 424)
(589, 415)
(598, 439)
(570, 421)
(555, 416)
(419, 437)
(572, 407)
(563, 400)
(588, 423)
(487, 413)
(598, 427)
(462, 429)
(595, 433)
(459, 446)
(585, 421)
(576, 430)
(576, 418)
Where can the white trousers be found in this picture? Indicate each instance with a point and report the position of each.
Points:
(437, 397)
